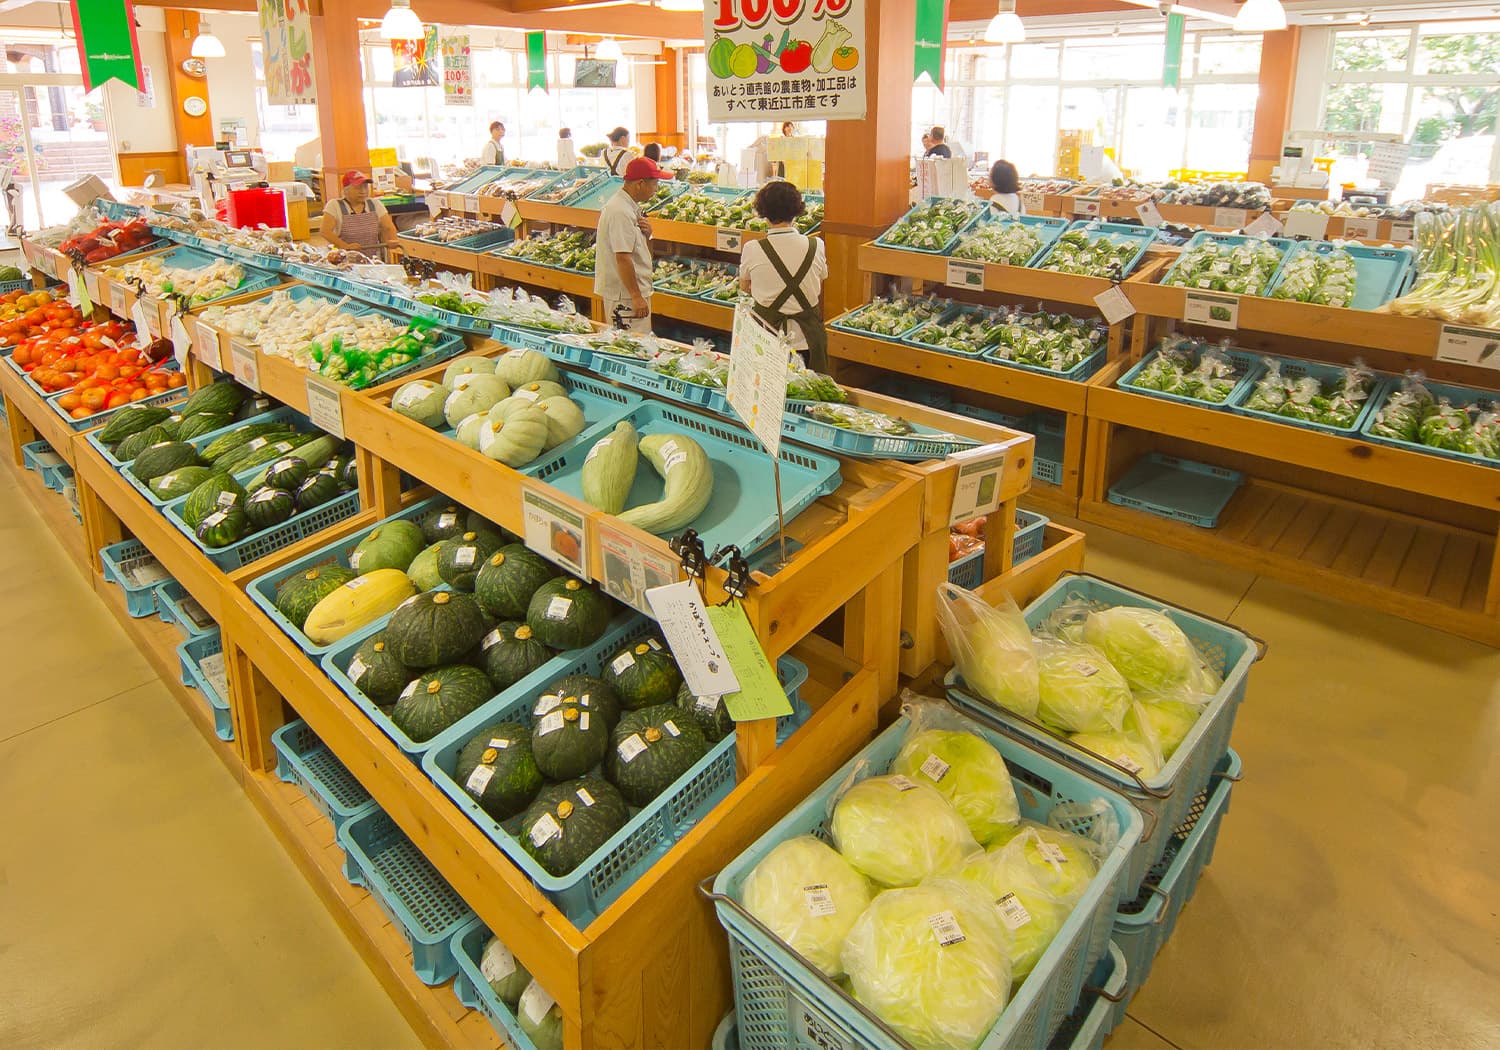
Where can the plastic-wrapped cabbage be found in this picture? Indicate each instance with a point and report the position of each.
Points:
(1080, 691)
(506, 976)
(808, 896)
(1130, 750)
(898, 831)
(933, 962)
(541, 1018)
(991, 648)
(1144, 645)
(1169, 721)
(969, 772)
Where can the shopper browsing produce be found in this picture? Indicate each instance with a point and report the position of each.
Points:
(622, 272)
(1006, 183)
(936, 147)
(567, 153)
(355, 221)
(492, 152)
(618, 154)
(784, 273)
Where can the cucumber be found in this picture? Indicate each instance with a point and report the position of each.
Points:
(222, 446)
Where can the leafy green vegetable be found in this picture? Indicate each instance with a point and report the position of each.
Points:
(808, 896)
(1188, 368)
(968, 771)
(931, 226)
(898, 831)
(1147, 648)
(1335, 404)
(893, 317)
(1245, 268)
(1327, 279)
(999, 241)
(1091, 253)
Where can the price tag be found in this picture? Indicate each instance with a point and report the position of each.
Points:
(1150, 214)
(1090, 206)
(727, 240)
(510, 214)
(1115, 305)
(1230, 218)
(978, 488)
(435, 202)
(1265, 223)
(244, 364)
(965, 273)
(146, 318)
(206, 346)
(47, 263)
(1361, 229)
(1469, 346)
(1212, 309)
(1312, 224)
(760, 694)
(631, 569)
(1034, 201)
(182, 341)
(91, 285)
(117, 298)
(325, 407)
(554, 530)
(471, 203)
(690, 634)
(758, 362)
(1401, 233)
(75, 289)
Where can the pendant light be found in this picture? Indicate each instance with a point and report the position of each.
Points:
(205, 44)
(609, 50)
(401, 23)
(1006, 26)
(1260, 16)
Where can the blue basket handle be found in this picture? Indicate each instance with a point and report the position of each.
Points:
(1260, 645)
(1166, 900)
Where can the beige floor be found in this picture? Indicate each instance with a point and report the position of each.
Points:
(1352, 901)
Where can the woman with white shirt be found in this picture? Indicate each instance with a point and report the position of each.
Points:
(784, 271)
(1007, 186)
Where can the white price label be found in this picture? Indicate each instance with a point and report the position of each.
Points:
(945, 928)
(552, 723)
(934, 769)
(479, 780)
(1310, 224)
(901, 783)
(622, 663)
(980, 473)
(557, 608)
(1114, 304)
(965, 273)
(91, 285)
(497, 963)
(1361, 229)
(545, 830)
(325, 406)
(553, 529)
(1230, 218)
(471, 203)
(690, 635)
(1150, 214)
(818, 900)
(631, 747)
(1401, 233)
(1469, 346)
(117, 298)
(244, 364)
(727, 240)
(1265, 223)
(206, 346)
(1090, 206)
(1033, 201)
(1212, 309)
(464, 558)
(1052, 852)
(535, 1003)
(1012, 912)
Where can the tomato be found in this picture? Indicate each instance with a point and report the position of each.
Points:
(107, 371)
(94, 398)
(80, 412)
(139, 394)
(68, 402)
(118, 398)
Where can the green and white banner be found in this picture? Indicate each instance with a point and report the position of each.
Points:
(1171, 71)
(107, 47)
(932, 32)
(536, 61)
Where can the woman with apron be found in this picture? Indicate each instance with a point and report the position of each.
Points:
(357, 222)
(618, 153)
(784, 271)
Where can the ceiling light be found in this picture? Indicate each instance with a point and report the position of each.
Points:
(205, 44)
(401, 23)
(682, 5)
(1005, 27)
(609, 50)
(1260, 16)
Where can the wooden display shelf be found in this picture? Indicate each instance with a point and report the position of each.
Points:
(535, 212)
(577, 285)
(441, 254)
(1020, 281)
(32, 418)
(694, 311)
(55, 513)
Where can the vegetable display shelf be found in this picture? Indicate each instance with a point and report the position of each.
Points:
(497, 270)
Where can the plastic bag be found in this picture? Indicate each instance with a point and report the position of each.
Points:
(809, 896)
(1270, 391)
(1079, 690)
(1132, 747)
(1447, 428)
(1401, 416)
(1145, 645)
(991, 647)
(1093, 821)
(942, 749)
(899, 831)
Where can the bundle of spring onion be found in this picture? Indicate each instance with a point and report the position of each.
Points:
(1459, 255)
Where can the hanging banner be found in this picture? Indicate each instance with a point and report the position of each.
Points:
(1171, 70)
(414, 63)
(107, 49)
(811, 67)
(932, 32)
(286, 52)
(458, 77)
(536, 61)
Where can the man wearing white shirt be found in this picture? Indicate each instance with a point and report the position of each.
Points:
(622, 256)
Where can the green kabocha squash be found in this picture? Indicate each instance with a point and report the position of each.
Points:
(508, 579)
(348, 474)
(316, 491)
(133, 445)
(435, 628)
(650, 749)
(423, 569)
(509, 653)
(442, 696)
(298, 595)
(377, 673)
(337, 468)
(588, 692)
(288, 473)
(131, 420)
(393, 545)
(540, 1018)
(687, 483)
(162, 458)
(518, 440)
(567, 613)
(507, 978)
(643, 675)
(269, 507)
(218, 492)
(568, 822)
(179, 482)
(444, 523)
(497, 769)
(459, 560)
(609, 469)
(709, 712)
(225, 397)
(223, 527)
(569, 740)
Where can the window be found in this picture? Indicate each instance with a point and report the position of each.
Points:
(282, 128)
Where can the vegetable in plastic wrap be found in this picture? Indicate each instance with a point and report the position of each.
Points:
(932, 962)
(1487, 435)
(1315, 277)
(808, 896)
(1400, 418)
(1144, 645)
(1168, 717)
(1133, 747)
(859, 420)
(962, 765)
(899, 831)
(1447, 428)
(992, 648)
(1080, 692)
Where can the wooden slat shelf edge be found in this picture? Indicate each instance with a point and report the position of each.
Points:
(37, 413)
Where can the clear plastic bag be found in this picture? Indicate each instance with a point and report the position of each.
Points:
(941, 748)
(1079, 690)
(991, 647)
(1402, 414)
(898, 831)
(809, 896)
(1132, 747)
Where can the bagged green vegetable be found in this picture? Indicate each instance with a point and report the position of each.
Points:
(991, 647)
(1133, 747)
(809, 896)
(898, 831)
(1079, 690)
(942, 749)
(1144, 645)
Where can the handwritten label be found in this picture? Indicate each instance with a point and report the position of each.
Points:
(117, 299)
(471, 203)
(206, 346)
(1115, 305)
(182, 341)
(1469, 346)
(965, 273)
(554, 530)
(146, 318)
(694, 642)
(1089, 206)
(756, 389)
(1230, 218)
(1265, 223)
(631, 568)
(726, 240)
(91, 285)
(1149, 213)
(325, 406)
(1216, 311)
(760, 694)
(1033, 201)
(244, 364)
(435, 204)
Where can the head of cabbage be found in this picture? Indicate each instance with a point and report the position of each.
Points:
(1168, 721)
(968, 771)
(808, 896)
(991, 648)
(1081, 692)
(932, 962)
(1128, 750)
(899, 831)
(1145, 646)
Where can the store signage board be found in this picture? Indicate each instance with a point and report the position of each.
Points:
(206, 346)
(1034, 201)
(631, 568)
(1090, 206)
(244, 365)
(554, 529)
(758, 362)
(1265, 223)
(727, 240)
(471, 204)
(1469, 346)
(690, 634)
(1401, 233)
(1212, 309)
(325, 407)
(1310, 224)
(760, 694)
(1387, 162)
(1115, 305)
(965, 273)
(1149, 213)
(1230, 218)
(977, 491)
(815, 63)
(1362, 229)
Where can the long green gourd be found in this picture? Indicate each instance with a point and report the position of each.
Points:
(688, 481)
(609, 470)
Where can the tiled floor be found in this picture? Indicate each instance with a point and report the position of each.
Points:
(1352, 901)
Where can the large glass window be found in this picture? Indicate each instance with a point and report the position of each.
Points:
(282, 128)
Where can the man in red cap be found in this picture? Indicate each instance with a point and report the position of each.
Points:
(355, 221)
(622, 266)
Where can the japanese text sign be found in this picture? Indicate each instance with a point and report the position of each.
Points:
(777, 60)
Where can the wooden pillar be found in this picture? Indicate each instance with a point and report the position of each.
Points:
(182, 27)
(341, 98)
(1273, 108)
(668, 96)
(867, 178)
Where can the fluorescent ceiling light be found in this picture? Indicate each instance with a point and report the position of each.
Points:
(609, 50)
(1005, 27)
(401, 23)
(205, 44)
(1260, 16)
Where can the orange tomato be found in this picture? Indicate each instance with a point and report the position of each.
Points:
(139, 394)
(80, 412)
(94, 398)
(68, 402)
(175, 380)
(118, 398)
(107, 371)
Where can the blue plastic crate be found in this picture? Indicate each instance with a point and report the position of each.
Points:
(1143, 924)
(1118, 232)
(947, 246)
(119, 211)
(1281, 244)
(174, 605)
(304, 760)
(188, 258)
(1380, 274)
(727, 1035)
(98, 419)
(968, 571)
(1077, 374)
(1181, 489)
(192, 653)
(266, 541)
(1098, 1013)
(953, 313)
(471, 988)
(1292, 369)
(695, 265)
(924, 444)
(844, 323)
(1046, 228)
(782, 1001)
(651, 831)
(35, 453)
(1246, 365)
(990, 415)
(134, 569)
(419, 901)
(725, 194)
(1457, 395)
(1167, 798)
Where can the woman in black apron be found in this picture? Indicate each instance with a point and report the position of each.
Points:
(784, 272)
(618, 154)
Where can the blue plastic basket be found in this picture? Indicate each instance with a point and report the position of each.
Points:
(1292, 369)
(724, 194)
(419, 901)
(119, 211)
(782, 1001)
(1046, 228)
(740, 465)
(98, 419)
(259, 544)
(968, 571)
(1457, 395)
(1176, 488)
(1167, 798)
(1281, 244)
(947, 246)
(304, 760)
(134, 569)
(1118, 232)
(471, 988)
(953, 313)
(174, 605)
(36, 453)
(651, 831)
(924, 444)
(1143, 924)
(1247, 365)
(1097, 1013)
(844, 323)
(694, 265)
(192, 653)
(187, 258)
(1379, 273)
(727, 1035)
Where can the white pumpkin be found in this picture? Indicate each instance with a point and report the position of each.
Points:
(519, 367)
(564, 419)
(421, 400)
(468, 364)
(518, 440)
(473, 393)
(468, 431)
